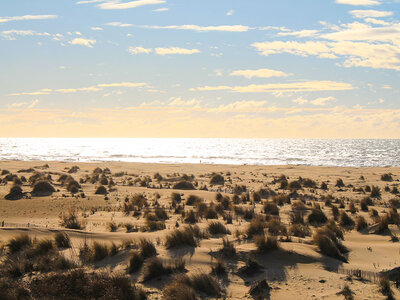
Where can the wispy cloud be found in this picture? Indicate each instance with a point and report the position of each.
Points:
(96, 88)
(118, 24)
(261, 73)
(24, 105)
(359, 2)
(370, 13)
(11, 34)
(162, 9)
(83, 42)
(305, 86)
(162, 51)
(175, 50)
(27, 17)
(230, 12)
(139, 50)
(123, 84)
(116, 4)
(226, 28)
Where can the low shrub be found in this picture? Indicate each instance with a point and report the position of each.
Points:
(386, 177)
(183, 185)
(15, 193)
(266, 243)
(218, 268)
(256, 226)
(299, 230)
(42, 188)
(271, 208)
(135, 262)
(228, 248)
(217, 228)
(190, 217)
(217, 179)
(361, 223)
(62, 240)
(346, 220)
(375, 192)
(70, 220)
(339, 183)
(19, 243)
(154, 267)
(317, 217)
(176, 290)
(112, 226)
(101, 190)
(181, 237)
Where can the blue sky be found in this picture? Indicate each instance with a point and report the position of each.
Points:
(168, 68)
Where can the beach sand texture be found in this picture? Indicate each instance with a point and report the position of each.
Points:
(296, 270)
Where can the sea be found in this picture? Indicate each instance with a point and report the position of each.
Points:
(309, 152)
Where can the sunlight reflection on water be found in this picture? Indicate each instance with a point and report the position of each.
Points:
(319, 152)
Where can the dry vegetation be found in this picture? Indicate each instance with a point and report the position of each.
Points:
(128, 235)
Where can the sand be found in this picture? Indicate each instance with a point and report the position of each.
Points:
(296, 271)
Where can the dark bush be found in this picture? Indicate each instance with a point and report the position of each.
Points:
(42, 188)
(15, 193)
(386, 177)
(317, 217)
(271, 208)
(62, 240)
(266, 243)
(375, 192)
(346, 220)
(154, 267)
(180, 237)
(217, 228)
(183, 185)
(217, 179)
(101, 190)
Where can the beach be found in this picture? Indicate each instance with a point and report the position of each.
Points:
(296, 269)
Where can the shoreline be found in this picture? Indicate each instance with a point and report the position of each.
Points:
(289, 166)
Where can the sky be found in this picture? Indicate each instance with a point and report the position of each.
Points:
(224, 69)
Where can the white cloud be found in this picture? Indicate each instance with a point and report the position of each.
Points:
(123, 84)
(24, 105)
(96, 28)
(305, 86)
(227, 28)
(96, 88)
(89, 1)
(370, 13)
(322, 101)
(139, 50)
(230, 13)
(116, 4)
(162, 9)
(301, 33)
(359, 2)
(118, 24)
(239, 106)
(83, 42)
(10, 34)
(300, 100)
(27, 17)
(40, 92)
(355, 53)
(297, 48)
(175, 50)
(178, 102)
(261, 73)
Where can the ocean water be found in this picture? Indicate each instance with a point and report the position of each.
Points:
(314, 152)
